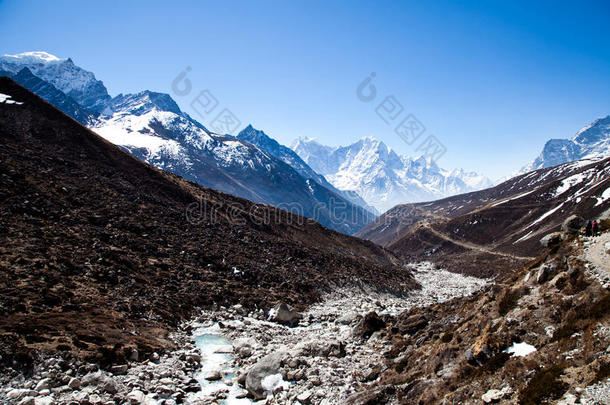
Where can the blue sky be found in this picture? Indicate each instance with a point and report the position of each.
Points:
(492, 80)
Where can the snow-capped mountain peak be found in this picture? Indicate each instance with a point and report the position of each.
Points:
(78, 83)
(381, 176)
(144, 102)
(591, 142)
(35, 57)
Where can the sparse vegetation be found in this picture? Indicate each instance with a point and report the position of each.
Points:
(603, 372)
(509, 298)
(543, 386)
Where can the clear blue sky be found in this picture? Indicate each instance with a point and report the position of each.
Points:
(493, 80)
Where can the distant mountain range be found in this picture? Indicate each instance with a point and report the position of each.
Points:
(152, 127)
(381, 176)
(591, 142)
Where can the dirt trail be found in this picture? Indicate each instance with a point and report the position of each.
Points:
(596, 252)
(472, 246)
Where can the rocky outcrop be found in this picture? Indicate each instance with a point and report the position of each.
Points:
(551, 239)
(572, 224)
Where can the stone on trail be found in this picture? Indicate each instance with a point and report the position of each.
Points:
(551, 239)
(285, 314)
(572, 224)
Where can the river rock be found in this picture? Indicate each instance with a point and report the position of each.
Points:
(16, 394)
(213, 375)
(44, 401)
(43, 384)
(136, 397)
(244, 347)
(370, 324)
(285, 314)
(267, 366)
(74, 383)
(305, 397)
(27, 401)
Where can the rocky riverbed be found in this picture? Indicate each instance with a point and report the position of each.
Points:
(333, 349)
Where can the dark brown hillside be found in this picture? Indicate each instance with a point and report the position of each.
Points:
(97, 254)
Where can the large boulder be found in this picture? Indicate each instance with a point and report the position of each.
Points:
(572, 224)
(269, 365)
(551, 239)
(285, 314)
(370, 324)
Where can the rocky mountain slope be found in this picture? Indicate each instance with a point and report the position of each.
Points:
(382, 177)
(537, 336)
(152, 127)
(591, 142)
(487, 231)
(53, 95)
(101, 254)
(288, 156)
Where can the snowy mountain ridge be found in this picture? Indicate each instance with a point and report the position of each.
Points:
(74, 81)
(381, 176)
(152, 127)
(290, 157)
(591, 142)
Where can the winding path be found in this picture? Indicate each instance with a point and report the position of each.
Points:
(596, 252)
(472, 246)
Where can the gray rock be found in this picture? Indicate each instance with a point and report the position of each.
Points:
(213, 375)
(134, 355)
(543, 274)
(43, 384)
(16, 394)
(469, 355)
(284, 313)
(74, 383)
(572, 224)
(27, 401)
(268, 365)
(44, 401)
(119, 370)
(305, 397)
(551, 239)
(136, 397)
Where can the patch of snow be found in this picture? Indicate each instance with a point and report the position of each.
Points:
(6, 99)
(603, 198)
(520, 349)
(524, 237)
(274, 381)
(546, 214)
